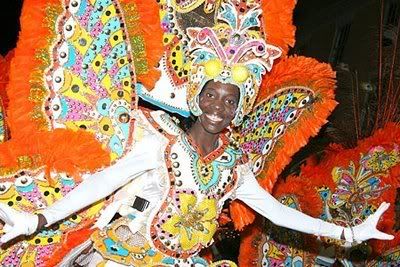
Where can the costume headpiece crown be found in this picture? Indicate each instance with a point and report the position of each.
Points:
(233, 51)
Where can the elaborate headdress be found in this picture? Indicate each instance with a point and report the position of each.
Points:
(233, 51)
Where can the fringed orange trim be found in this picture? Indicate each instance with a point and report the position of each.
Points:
(61, 150)
(26, 89)
(70, 241)
(4, 76)
(278, 23)
(304, 190)
(241, 214)
(251, 239)
(149, 27)
(300, 71)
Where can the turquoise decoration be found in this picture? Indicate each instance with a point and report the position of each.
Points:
(267, 123)
(91, 78)
(207, 175)
(168, 260)
(148, 98)
(229, 15)
(115, 248)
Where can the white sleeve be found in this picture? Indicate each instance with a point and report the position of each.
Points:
(251, 193)
(143, 157)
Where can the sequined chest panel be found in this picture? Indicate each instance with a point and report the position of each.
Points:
(187, 219)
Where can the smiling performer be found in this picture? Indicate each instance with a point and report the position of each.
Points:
(174, 182)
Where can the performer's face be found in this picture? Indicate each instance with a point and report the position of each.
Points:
(219, 102)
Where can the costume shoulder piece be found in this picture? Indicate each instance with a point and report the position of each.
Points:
(160, 122)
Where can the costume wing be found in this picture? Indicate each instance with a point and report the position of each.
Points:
(263, 128)
(294, 102)
(85, 85)
(92, 78)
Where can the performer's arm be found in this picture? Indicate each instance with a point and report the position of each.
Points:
(251, 193)
(104, 183)
(144, 157)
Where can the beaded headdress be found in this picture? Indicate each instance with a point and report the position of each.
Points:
(234, 52)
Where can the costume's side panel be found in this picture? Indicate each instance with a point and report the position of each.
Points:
(71, 73)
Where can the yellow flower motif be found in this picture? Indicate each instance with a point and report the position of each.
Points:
(195, 224)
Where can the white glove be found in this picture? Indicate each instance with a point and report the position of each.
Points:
(16, 223)
(367, 229)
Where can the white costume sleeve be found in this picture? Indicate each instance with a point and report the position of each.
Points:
(251, 193)
(143, 157)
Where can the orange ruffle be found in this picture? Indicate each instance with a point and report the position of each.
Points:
(4, 73)
(150, 29)
(26, 86)
(299, 71)
(251, 239)
(278, 23)
(70, 241)
(61, 150)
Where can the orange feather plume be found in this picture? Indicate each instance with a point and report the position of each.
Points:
(278, 23)
(299, 71)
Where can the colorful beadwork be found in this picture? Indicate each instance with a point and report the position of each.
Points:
(230, 52)
(91, 79)
(281, 247)
(207, 171)
(267, 123)
(388, 259)
(358, 186)
(29, 191)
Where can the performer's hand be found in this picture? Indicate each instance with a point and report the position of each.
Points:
(367, 229)
(16, 223)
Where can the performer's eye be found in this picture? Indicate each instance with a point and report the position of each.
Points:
(209, 95)
(231, 102)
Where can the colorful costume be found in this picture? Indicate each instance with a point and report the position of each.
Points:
(345, 187)
(89, 85)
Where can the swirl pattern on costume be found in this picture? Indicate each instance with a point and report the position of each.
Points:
(91, 79)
